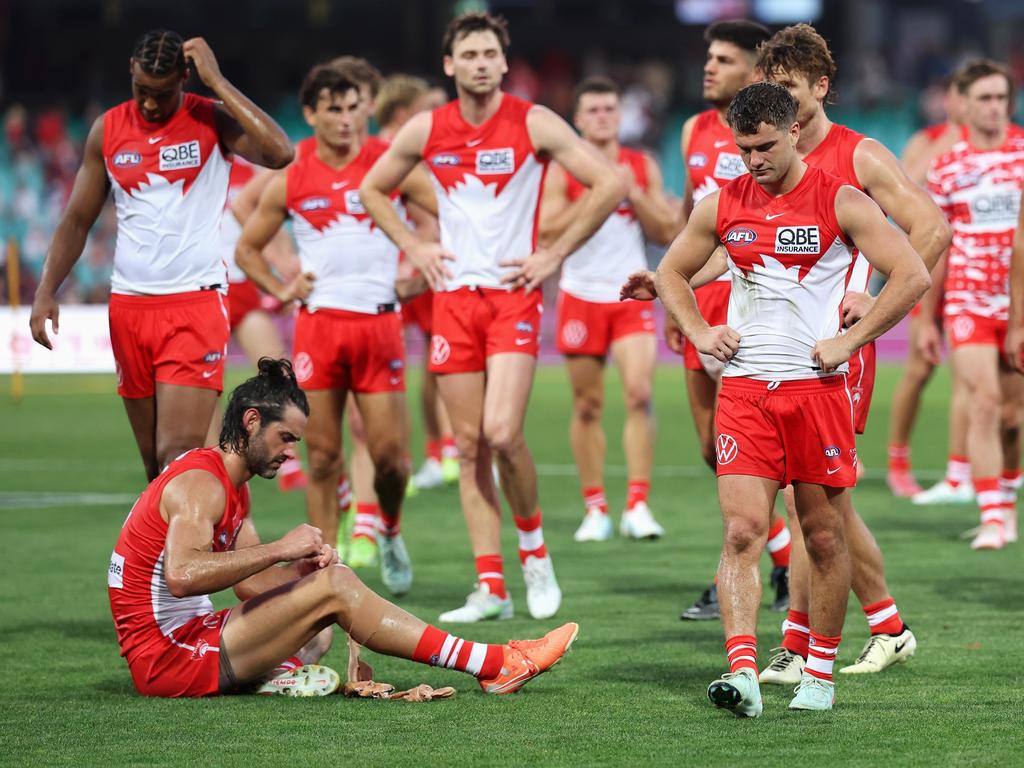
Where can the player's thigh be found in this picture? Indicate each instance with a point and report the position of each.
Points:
(183, 414)
(142, 418)
(586, 377)
(746, 502)
(385, 422)
(976, 367)
(822, 510)
(258, 336)
(463, 396)
(635, 357)
(509, 381)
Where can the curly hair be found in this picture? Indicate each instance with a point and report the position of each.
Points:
(799, 49)
(758, 103)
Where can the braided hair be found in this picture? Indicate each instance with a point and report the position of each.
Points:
(270, 392)
(159, 53)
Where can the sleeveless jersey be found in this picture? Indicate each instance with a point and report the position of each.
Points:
(791, 264)
(488, 180)
(934, 132)
(242, 172)
(712, 159)
(980, 191)
(170, 180)
(600, 266)
(145, 612)
(354, 262)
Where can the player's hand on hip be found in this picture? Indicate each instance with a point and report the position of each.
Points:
(719, 341)
(531, 272)
(298, 288)
(639, 286)
(855, 305)
(199, 55)
(1014, 348)
(929, 340)
(673, 335)
(829, 354)
(44, 308)
(305, 541)
(429, 259)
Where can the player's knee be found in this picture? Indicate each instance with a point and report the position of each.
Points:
(340, 581)
(323, 462)
(638, 396)
(1009, 418)
(823, 543)
(389, 463)
(741, 533)
(587, 408)
(986, 405)
(505, 439)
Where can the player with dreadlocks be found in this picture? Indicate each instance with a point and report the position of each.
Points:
(165, 155)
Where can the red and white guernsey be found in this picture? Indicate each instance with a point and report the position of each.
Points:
(596, 271)
(354, 261)
(791, 265)
(488, 180)
(712, 159)
(242, 172)
(146, 614)
(980, 191)
(170, 180)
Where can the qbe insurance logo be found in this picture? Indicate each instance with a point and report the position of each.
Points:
(179, 156)
(797, 240)
(491, 161)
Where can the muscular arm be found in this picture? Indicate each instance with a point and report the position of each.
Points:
(280, 252)
(259, 230)
(556, 210)
(84, 205)
(270, 577)
(656, 217)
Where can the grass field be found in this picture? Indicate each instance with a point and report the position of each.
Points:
(631, 692)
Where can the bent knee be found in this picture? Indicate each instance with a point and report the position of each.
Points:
(824, 545)
(504, 439)
(587, 408)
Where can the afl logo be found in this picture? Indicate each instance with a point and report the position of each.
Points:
(740, 236)
(962, 327)
(127, 159)
(440, 350)
(698, 160)
(574, 333)
(444, 160)
(303, 366)
(832, 452)
(315, 204)
(726, 448)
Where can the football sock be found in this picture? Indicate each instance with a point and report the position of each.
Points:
(531, 537)
(439, 649)
(366, 522)
(636, 492)
(821, 656)
(884, 617)
(795, 633)
(593, 498)
(779, 543)
(742, 652)
(490, 571)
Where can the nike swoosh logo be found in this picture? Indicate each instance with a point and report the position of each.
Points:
(832, 471)
(155, 139)
(770, 216)
(720, 144)
(208, 374)
(901, 646)
(473, 142)
(520, 342)
(338, 184)
(510, 683)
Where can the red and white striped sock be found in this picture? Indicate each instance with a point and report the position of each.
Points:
(448, 448)
(884, 617)
(531, 537)
(742, 652)
(389, 524)
(636, 492)
(594, 498)
(439, 649)
(490, 571)
(795, 633)
(344, 495)
(366, 522)
(433, 450)
(899, 457)
(990, 500)
(1009, 479)
(288, 665)
(821, 655)
(779, 543)
(958, 470)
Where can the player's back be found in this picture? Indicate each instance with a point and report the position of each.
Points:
(599, 267)
(790, 263)
(169, 180)
(144, 610)
(488, 181)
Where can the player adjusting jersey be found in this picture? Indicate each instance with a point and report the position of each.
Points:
(488, 180)
(145, 612)
(354, 262)
(242, 172)
(600, 266)
(170, 180)
(980, 192)
(790, 264)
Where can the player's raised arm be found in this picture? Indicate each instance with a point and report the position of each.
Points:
(84, 205)
(891, 254)
(1015, 333)
(689, 253)
(244, 128)
(259, 230)
(390, 170)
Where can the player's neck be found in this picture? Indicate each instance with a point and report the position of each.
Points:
(813, 133)
(985, 140)
(477, 109)
(337, 157)
(609, 149)
(238, 470)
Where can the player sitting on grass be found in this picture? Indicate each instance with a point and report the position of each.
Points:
(190, 534)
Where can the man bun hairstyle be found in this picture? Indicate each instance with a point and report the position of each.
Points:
(745, 35)
(758, 103)
(475, 21)
(799, 49)
(160, 53)
(270, 392)
(320, 77)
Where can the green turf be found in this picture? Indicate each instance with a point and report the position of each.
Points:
(632, 691)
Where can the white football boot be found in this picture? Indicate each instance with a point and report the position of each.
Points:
(813, 694)
(639, 523)
(944, 493)
(543, 596)
(596, 526)
(738, 692)
(307, 680)
(480, 605)
(785, 668)
(883, 651)
(395, 565)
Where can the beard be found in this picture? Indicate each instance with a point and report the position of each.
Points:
(259, 460)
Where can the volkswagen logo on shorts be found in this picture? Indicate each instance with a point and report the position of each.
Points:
(574, 333)
(303, 366)
(726, 448)
(440, 350)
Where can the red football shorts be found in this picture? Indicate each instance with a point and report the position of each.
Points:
(420, 311)
(590, 327)
(185, 664)
(471, 324)
(965, 328)
(713, 303)
(787, 431)
(355, 351)
(180, 339)
(861, 381)
(243, 298)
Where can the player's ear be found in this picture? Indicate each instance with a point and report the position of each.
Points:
(309, 115)
(821, 88)
(449, 66)
(251, 421)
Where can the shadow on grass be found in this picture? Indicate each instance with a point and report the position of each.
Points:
(1000, 593)
(92, 629)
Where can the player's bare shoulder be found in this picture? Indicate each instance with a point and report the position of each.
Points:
(196, 493)
(412, 137)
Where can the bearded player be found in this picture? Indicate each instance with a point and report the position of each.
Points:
(164, 153)
(785, 413)
(487, 152)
